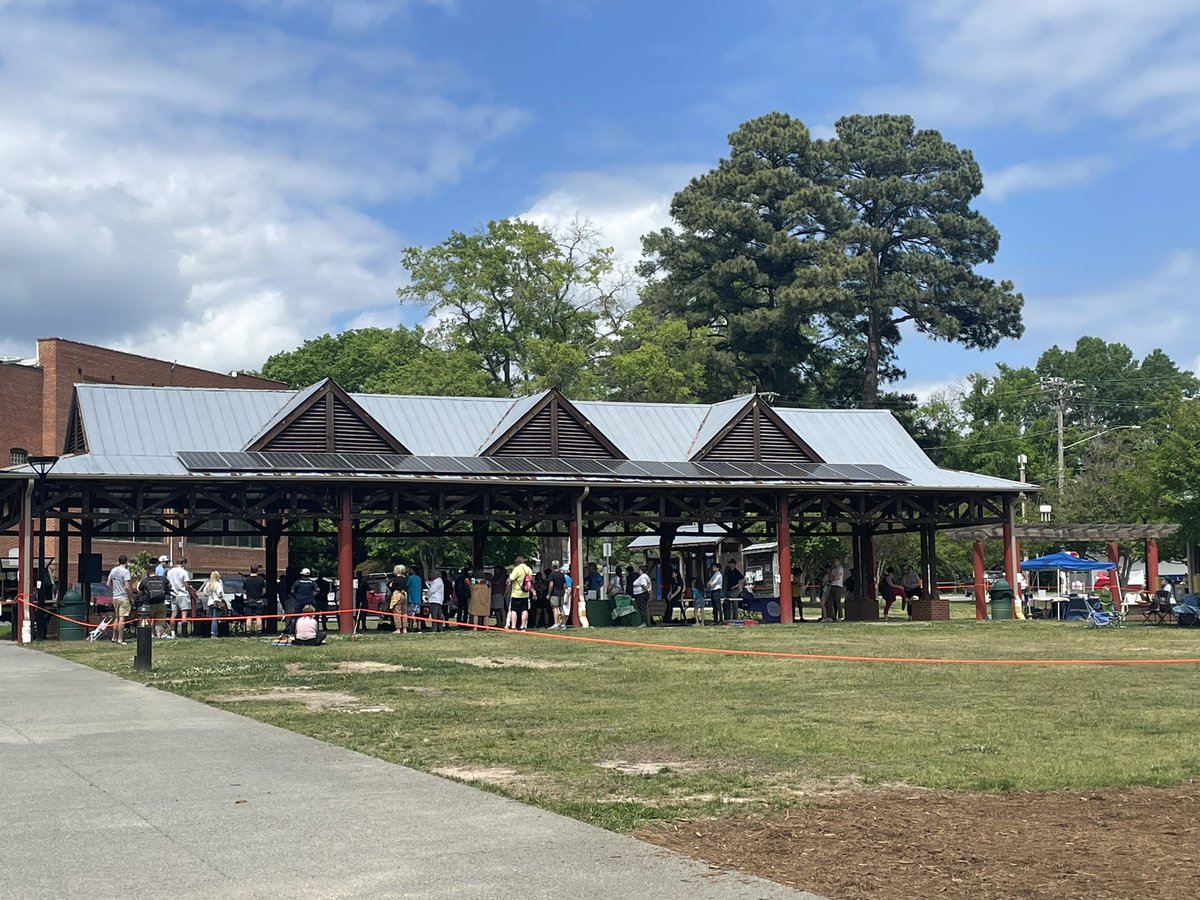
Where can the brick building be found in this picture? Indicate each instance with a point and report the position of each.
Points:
(35, 397)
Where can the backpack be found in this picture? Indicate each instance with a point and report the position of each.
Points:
(154, 588)
(527, 583)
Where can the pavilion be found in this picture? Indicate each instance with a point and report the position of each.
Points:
(212, 462)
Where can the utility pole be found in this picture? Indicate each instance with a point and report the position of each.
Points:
(1060, 392)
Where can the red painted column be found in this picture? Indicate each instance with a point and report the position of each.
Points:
(346, 566)
(576, 569)
(980, 582)
(1010, 562)
(1114, 584)
(1152, 565)
(784, 537)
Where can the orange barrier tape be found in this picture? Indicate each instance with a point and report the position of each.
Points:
(726, 651)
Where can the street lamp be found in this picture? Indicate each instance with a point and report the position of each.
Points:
(1022, 462)
(1092, 437)
(42, 466)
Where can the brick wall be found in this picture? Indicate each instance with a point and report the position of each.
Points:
(21, 400)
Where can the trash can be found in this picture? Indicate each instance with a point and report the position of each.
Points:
(599, 612)
(1002, 604)
(72, 607)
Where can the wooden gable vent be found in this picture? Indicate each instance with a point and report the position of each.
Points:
(758, 434)
(76, 440)
(327, 420)
(554, 428)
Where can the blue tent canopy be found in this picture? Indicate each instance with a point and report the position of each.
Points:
(1066, 562)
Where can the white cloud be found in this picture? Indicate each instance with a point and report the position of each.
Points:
(174, 188)
(1051, 63)
(623, 205)
(1053, 173)
(1157, 310)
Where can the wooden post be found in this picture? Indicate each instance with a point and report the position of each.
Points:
(271, 574)
(575, 548)
(479, 533)
(980, 582)
(1114, 583)
(869, 555)
(345, 593)
(784, 537)
(1152, 565)
(1010, 559)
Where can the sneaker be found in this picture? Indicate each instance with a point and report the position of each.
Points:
(523, 628)
(122, 643)
(171, 636)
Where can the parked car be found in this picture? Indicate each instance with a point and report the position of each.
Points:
(377, 597)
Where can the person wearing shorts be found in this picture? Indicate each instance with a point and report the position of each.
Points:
(118, 582)
(499, 611)
(181, 597)
(520, 582)
(558, 593)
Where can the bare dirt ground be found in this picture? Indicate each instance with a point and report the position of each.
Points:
(515, 662)
(1105, 843)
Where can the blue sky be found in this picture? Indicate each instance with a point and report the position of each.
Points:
(214, 181)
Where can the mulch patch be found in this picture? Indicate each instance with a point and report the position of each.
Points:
(1104, 843)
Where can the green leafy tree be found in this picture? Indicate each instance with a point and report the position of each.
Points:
(524, 301)
(805, 257)
(653, 359)
(382, 360)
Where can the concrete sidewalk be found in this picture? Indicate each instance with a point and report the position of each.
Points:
(90, 808)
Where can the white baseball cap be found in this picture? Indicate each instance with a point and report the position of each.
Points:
(164, 559)
(305, 572)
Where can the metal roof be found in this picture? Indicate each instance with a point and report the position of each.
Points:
(138, 430)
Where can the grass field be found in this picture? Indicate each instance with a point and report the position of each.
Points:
(621, 736)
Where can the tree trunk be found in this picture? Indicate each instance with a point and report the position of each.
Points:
(870, 397)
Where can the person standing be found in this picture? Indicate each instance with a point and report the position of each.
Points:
(556, 583)
(911, 583)
(255, 588)
(397, 591)
(498, 582)
(415, 587)
(118, 583)
(641, 595)
(481, 599)
(520, 583)
(837, 590)
(437, 600)
(154, 590)
(303, 593)
(462, 596)
(181, 596)
(733, 588)
(212, 594)
(163, 565)
(674, 596)
(715, 588)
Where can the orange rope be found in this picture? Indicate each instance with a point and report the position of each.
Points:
(725, 651)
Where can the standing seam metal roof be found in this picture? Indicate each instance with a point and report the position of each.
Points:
(125, 421)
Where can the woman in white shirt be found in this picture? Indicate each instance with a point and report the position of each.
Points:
(212, 594)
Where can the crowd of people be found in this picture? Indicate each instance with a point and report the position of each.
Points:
(514, 598)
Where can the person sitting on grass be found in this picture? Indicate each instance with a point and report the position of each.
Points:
(307, 634)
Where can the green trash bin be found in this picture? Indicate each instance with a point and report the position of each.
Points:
(599, 613)
(1002, 604)
(72, 607)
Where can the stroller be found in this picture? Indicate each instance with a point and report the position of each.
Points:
(96, 633)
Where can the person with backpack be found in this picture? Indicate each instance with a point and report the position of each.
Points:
(153, 590)
(520, 582)
(255, 587)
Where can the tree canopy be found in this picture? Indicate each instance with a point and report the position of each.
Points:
(805, 257)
